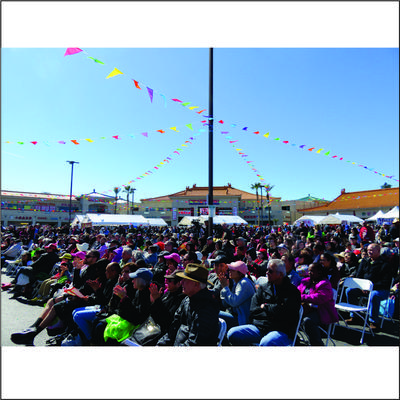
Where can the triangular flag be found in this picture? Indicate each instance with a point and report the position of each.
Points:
(266, 135)
(221, 122)
(34, 142)
(192, 108)
(176, 152)
(96, 60)
(20, 142)
(150, 94)
(189, 126)
(165, 100)
(245, 128)
(145, 134)
(114, 72)
(72, 50)
(160, 130)
(137, 84)
(185, 104)
(74, 141)
(199, 112)
(61, 142)
(311, 148)
(224, 133)
(179, 101)
(174, 129)
(319, 150)
(89, 140)
(285, 141)
(277, 138)
(116, 137)
(302, 146)
(257, 132)
(232, 141)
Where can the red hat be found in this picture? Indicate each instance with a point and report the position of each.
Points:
(160, 245)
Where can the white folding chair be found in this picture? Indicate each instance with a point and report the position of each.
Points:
(386, 314)
(298, 324)
(360, 310)
(222, 331)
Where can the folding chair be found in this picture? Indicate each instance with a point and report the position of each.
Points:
(222, 331)
(298, 325)
(386, 314)
(360, 310)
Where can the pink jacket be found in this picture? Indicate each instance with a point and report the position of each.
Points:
(320, 294)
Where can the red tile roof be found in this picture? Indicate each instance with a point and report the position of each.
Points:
(378, 198)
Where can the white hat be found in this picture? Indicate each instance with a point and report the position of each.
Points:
(83, 246)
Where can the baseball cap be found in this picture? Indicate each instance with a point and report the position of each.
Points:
(239, 266)
(174, 256)
(79, 254)
(143, 273)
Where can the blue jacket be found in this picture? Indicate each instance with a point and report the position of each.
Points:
(239, 299)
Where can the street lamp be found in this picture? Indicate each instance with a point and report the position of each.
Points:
(70, 191)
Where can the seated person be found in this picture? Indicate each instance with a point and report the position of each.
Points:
(331, 271)
(135, 310)
(195, 322)
(318, 303)
(236, 301)
(274, 312)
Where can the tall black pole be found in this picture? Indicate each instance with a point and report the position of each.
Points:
(70, 191)
(210, 145)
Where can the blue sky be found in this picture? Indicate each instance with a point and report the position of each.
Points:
(343, 100)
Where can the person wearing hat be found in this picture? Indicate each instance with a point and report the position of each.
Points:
(220, 267)
(236, 300)
(258, 267)
(62, 276)
(195, 322)
(134, 310)
(160, 268)
(173, 262)
(274, 312)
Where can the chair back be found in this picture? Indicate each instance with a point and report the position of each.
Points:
(298, 324)
(222, 331)
(358, 283)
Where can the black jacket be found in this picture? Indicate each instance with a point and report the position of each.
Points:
(164, 308)
(281, 310)
(103, 295)
(45, 263)
(195, 322)
(378, 272)
(137, 310)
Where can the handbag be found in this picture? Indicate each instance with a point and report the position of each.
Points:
(147, 333)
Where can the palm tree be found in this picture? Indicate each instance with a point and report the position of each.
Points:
(256, 186)
(268, 188)
(386, 186)
(116, 191)
(128, 190)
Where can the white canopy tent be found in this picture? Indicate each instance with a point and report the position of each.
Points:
(156, 222)
(389, 216)
(78, 219)
(217, 220)
(337, 219)
(114, 220)
(349, 218)
(309, 220)
(379, 214)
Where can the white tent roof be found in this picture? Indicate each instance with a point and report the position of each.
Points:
(217, 220)
(78, 219)
(379, 214)
(156, 222)
(389, 216)
(309, 220)
(115, 219)
(348, 218)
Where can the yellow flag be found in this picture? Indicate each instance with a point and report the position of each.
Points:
(238, 149)
(266, 135)
(114, 72)
(89, 140)
(174, 129)
(319, 151)
(192, 108)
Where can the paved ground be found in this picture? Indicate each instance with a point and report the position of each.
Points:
(18, 314)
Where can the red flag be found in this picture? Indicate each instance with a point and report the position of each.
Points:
(311, 148)
(116, 137)
(199, 112)
(136, 84)
(160, 130)
(221, 122)
(74, 141)
(34, 142)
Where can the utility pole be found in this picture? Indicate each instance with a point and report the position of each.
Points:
(210, 146)
(70, 191)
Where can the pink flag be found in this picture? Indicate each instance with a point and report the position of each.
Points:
(61, 142)
(34, 142)
(150, 94)
(145, 134)
(179, 101)
(116, 137)
(72, 50)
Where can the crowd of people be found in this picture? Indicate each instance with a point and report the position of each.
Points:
(99, 285)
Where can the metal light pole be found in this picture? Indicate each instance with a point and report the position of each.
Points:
(269, 210)
(210, 145)
(261, 188)
(133, 201)
(70, 191)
